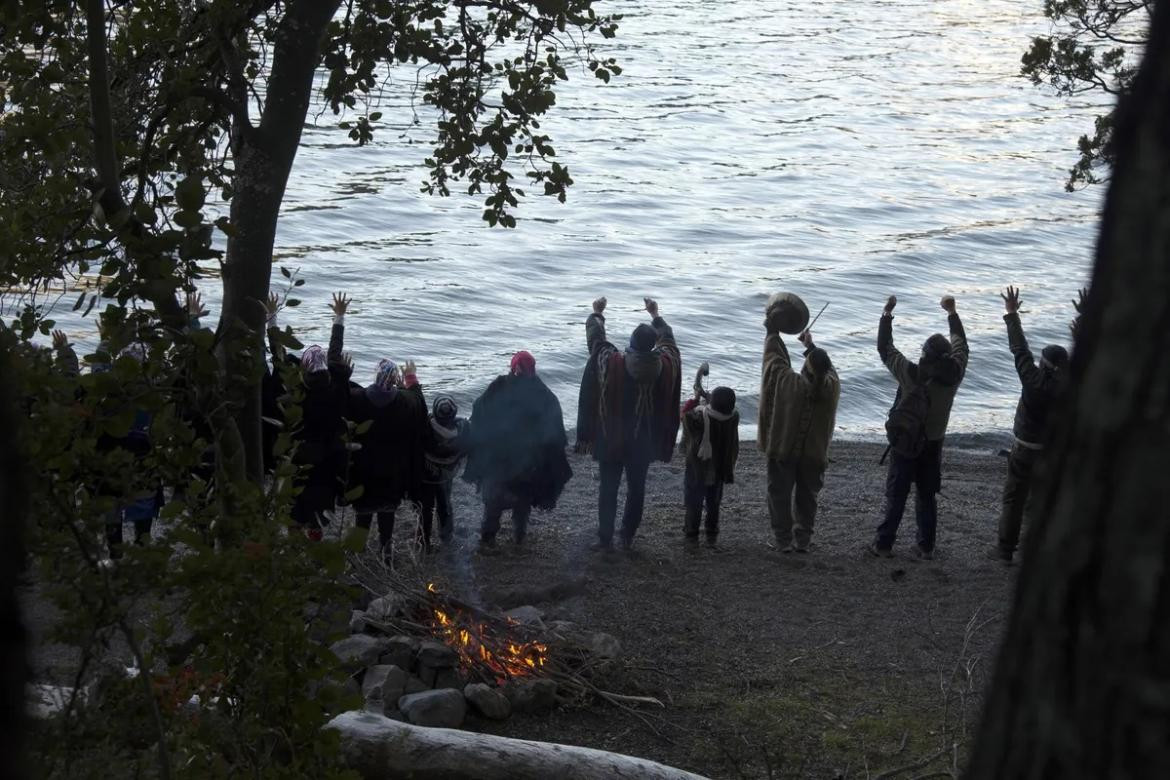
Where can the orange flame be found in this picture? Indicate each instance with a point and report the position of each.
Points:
(478, 648)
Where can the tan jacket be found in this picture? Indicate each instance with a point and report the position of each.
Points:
(793, 426)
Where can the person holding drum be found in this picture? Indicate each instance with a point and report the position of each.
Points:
(798, 410)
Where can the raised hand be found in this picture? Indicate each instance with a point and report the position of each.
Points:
(347, 361)
(409, 368)
(1079, 303)
(651, 306)
(806, 338)
(948, 304)
(273, 304)
(195, 308)
(599, 305)
(1011, 299)
(60, 340)
(340, 303)
(891, 302)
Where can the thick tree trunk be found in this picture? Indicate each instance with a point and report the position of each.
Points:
(13, 658)
(263, 158)
(1082, 688)
(379, 748)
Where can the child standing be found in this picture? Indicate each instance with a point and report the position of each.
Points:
(711, 442)
(447, 445)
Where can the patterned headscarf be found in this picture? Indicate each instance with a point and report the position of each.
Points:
(388, 375)
(313, 360)
(523, 364)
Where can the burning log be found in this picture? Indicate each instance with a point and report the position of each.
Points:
(381, 748)
(498, 650)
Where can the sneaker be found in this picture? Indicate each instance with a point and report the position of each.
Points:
(603, 547)
(996, 553)
(880, 552)
(800, 547)
(787, 549)
(923, 555)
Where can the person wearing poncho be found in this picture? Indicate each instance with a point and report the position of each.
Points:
(798, 410)
(517, 445)
(628, 413)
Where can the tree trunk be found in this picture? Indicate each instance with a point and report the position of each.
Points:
(13, 650)
(1082, 687)
(263, 158)
(379, 748)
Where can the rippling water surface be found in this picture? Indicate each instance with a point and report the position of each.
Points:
(844, 151)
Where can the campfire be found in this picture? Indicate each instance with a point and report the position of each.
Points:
(481, 645)
(440, 642)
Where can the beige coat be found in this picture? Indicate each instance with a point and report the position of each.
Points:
(792, 425)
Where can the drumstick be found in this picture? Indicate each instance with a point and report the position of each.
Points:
(819, 313)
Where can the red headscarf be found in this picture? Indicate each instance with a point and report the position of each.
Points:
(523, 364)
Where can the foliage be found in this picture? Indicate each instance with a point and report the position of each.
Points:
(144, 147)
(1094, 47)
(234, 625)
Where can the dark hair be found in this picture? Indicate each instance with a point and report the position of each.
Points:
(820, 364)
(723, 400)
(1056, 355)
(643, 338)
(937, 346)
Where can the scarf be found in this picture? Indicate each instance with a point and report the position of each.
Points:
(388, 375)
(705, 451)
(313, 360)
(523, 364)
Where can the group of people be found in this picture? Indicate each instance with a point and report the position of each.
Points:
(378, 445)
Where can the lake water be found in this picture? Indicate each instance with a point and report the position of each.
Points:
(843, 151)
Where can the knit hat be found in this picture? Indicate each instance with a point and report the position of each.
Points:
(388, 375)
(937, 346)
(723, 400)
(643, 338)
(444, 408)
(1055, 355)
(313, 360)
(523, 364)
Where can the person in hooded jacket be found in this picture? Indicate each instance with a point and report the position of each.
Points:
(628, 413)
(320, 437)
(388, 465)
(518, 442)
(798, 410)
(447, 445)
(940, 370)
(1041, 387)
(711, 443)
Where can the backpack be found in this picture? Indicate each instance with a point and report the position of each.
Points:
(906, 422)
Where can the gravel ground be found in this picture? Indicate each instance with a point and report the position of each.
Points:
(829, 664)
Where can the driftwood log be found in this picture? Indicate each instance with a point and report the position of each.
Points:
(378, 747)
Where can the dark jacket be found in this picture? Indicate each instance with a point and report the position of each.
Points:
(1040, 387)
(518, 440)
(446, 447)
(389, 465)
(943, 374)
(720, 467)
(609, 420)
(320, 436)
